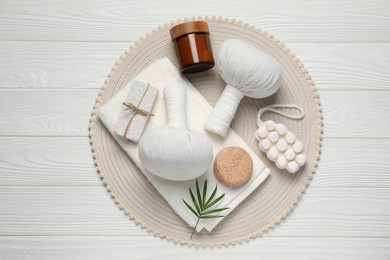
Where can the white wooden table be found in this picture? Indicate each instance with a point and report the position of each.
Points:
(55, 55)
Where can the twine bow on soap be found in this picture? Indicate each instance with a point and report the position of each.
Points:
(136, 109)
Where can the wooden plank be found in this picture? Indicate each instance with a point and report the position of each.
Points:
(291, 21)
(346, 66)
(125, 247)
(67, 112)
(353, 163)
(45, 112)
(336, 66)
(66, 161)
(322, 212)
(63, 65)
(47, 161)
(356, 114)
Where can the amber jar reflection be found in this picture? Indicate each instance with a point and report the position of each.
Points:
(193, 46)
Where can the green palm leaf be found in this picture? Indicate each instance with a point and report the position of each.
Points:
(200, 199)
(212, 203)
(212, 195)
(213, 216)
(204, 192)
(201, 205)
(213, 211)
(192, 210)
(195, 202)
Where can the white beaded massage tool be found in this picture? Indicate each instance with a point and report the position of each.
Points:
(247, 71)
(280, 144)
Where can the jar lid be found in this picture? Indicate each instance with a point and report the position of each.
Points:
(189, 27)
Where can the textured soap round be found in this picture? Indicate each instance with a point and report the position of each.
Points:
(233, 166)
(281, 146)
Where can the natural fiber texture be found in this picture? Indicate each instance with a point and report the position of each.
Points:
(267, 205)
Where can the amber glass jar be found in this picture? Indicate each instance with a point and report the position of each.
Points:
(193, 47)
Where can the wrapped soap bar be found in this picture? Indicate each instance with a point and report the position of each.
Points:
(136, 111)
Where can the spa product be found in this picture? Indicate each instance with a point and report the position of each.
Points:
(280, 145)
(233, 166)
(192, 46)
(247, 71)
(136, 111)
(204, 205)
(174, 152)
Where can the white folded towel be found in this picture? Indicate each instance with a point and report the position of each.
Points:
(160, 74)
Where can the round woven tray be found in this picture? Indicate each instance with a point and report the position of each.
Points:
(270, 202)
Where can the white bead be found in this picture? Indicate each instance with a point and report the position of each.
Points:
(298, 146)
(272, 154)
(292, 167)
(261, 133)
(301, 159)
(290, 137)
(270, 125)
(273, 137)
(281, 162)
(289, 154)
(281, 145)
(264, 145)
(281, 129)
